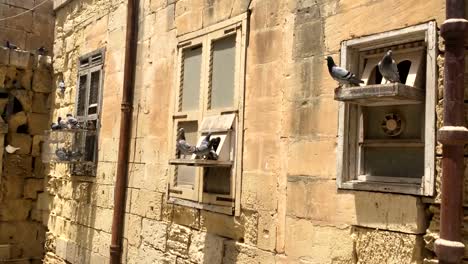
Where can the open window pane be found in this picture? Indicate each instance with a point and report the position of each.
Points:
(190, 93)
(222, 78)
(81, 96)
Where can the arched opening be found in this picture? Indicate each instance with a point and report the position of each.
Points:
(22, 129)
(17, 106)
(375, 76)
(403, 70)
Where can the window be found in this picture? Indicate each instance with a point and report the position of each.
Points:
(87, 110)
(386, 134)
(209, 99)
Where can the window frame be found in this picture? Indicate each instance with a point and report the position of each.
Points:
(348, 155)
(205, 37)
(88, 70)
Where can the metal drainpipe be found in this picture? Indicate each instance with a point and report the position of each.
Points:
(453, 135)
(120, 190)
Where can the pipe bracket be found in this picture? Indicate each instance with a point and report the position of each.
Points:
(449, 251)
(453, 135)
(126, 107)
(454, 28)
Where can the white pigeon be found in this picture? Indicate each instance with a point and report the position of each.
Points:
(388, 68)
(10, 149)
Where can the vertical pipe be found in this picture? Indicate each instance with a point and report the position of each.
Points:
(453, 135)
(125, 130)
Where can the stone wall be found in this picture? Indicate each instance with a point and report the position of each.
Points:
(30, 30)
(25, 88)
(298, 216)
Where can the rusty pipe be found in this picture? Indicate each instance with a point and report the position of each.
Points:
(453, 135)
(120, 190)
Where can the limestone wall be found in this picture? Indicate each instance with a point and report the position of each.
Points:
(25, 88)
(27, 30)
(297, 216)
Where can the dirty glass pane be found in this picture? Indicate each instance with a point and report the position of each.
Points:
(94, 87)
(412, 115)
(81, 96)
(394, 161)
(222, 78)
(185, 175)
(191, 78)
(217, 180)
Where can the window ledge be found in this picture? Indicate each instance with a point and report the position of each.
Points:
(403, 188)
(200, 162)
(380, 94)
(228, 210)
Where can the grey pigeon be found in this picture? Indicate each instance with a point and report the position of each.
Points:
(75, 155)
(212, 154)
(205, 147)
(10, 45)
(72, 122)
(61, 154)
(183, 148)
(61, 124)
(388, 68)
(341, 75)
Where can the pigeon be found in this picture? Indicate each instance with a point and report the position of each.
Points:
(63, 124)
(10, 149)
(75, 155)
(182, 146)
(72, 122)
(41, 50)
(388, 68)
(57, 126)
(216, 142)
(10, 45)
(62, 86)
(205, 147)
(341, 75)
(62, 154)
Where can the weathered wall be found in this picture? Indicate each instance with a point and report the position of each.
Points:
(31, 30)
(25, 86)
(298, 216)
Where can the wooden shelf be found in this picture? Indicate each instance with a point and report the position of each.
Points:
(200, 162)
(380, 94)
(391, 143)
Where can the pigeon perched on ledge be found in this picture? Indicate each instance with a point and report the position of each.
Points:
(61, 124)
(341, 75)
(388, 68)
(72, 122)
(10, 45)
(183, 148)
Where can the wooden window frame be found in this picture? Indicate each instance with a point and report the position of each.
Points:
(87, 70)
(348, 121)
(197, 198)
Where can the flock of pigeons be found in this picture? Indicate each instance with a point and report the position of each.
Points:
(9, 45)
(70, 123)
(387, 67)
(64, 154)
(206, 150)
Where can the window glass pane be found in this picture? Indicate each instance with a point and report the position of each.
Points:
(185, 175)
(411, 115)
(222, 78)
(192, 58)
(94, 87)
(394, 161)
(81, 96)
